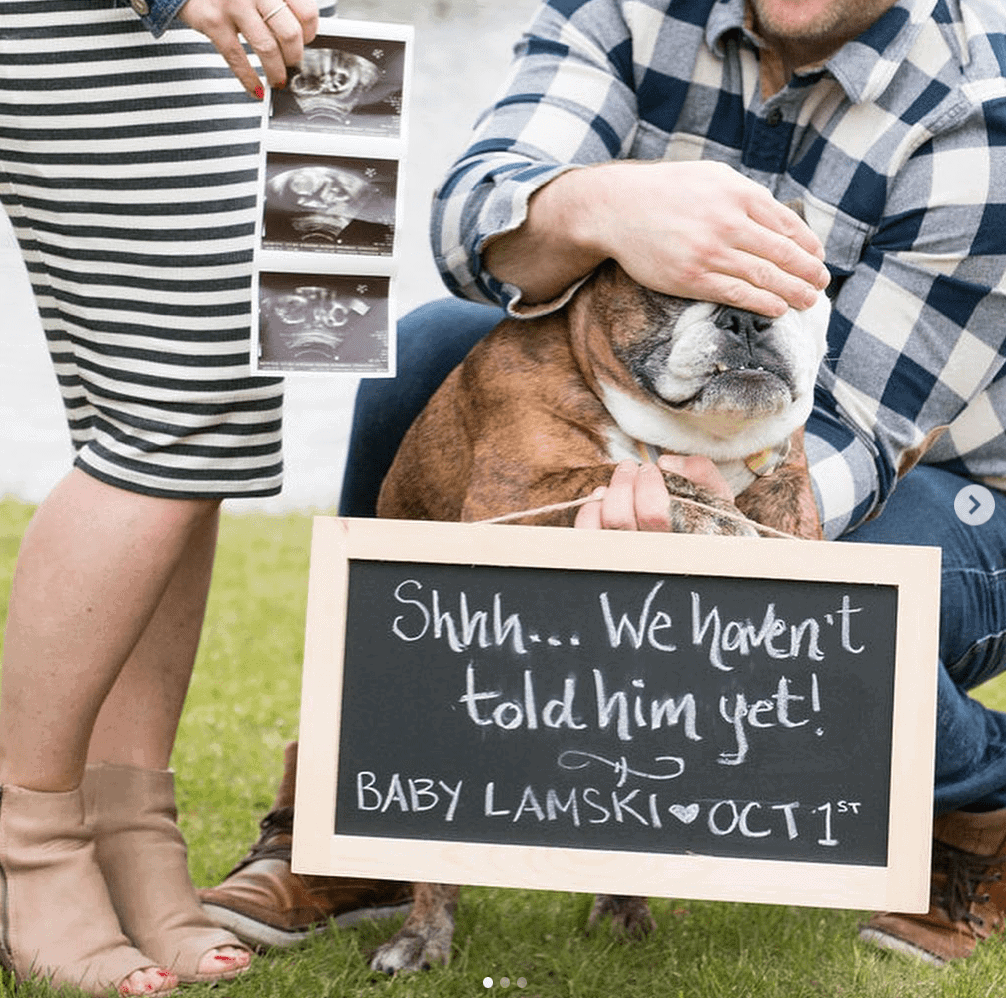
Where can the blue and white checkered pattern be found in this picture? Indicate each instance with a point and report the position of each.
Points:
(897, 148)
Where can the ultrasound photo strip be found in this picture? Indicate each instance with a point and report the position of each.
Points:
(330, 206)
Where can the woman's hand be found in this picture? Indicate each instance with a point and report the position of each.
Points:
(275, 30)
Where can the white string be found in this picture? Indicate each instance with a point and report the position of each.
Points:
(553, 508)
(556, 507)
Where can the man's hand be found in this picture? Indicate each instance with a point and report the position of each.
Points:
(277, 36)
(693, 229)
(702, 230)
(637, 497)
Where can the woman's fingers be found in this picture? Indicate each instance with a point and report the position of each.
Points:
(276, 32)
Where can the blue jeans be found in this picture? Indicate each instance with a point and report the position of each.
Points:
(432, 340)
(970, 738)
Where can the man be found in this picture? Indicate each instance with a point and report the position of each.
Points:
(667, 135)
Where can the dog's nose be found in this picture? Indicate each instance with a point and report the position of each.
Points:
(747, 326)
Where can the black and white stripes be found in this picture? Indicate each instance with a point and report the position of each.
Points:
(128, 169)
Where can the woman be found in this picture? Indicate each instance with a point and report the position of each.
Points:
(128, 159)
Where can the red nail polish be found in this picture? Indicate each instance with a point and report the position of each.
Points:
(259, 92)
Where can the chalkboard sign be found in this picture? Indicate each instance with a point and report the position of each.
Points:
(627, 713)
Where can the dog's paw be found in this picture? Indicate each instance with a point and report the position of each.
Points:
(631, 916)
(695, 510)
(413, 949)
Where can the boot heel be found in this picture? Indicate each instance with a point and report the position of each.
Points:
(142, 855)
(56, 919)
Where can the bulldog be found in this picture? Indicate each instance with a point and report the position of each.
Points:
(540, 412)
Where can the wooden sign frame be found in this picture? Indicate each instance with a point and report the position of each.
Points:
(902, 884)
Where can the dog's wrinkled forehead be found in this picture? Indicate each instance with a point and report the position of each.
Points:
(653, 319)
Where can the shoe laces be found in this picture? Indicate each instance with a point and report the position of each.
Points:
(272, 842)
(964, 873)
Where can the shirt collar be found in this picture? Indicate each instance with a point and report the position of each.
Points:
(863, 66)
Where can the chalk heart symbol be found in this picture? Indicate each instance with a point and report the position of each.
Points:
(686, 815)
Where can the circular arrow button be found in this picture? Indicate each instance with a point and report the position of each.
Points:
(974, 505)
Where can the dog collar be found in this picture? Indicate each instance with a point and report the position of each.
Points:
(648, 454)
(765, 461)
(761, 463)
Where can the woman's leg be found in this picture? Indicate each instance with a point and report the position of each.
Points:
(148, 330)
(129, 792)
(94, 568)
(138, 720)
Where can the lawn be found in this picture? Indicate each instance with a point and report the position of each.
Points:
(243, 708)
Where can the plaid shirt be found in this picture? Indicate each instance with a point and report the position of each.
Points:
(897, 149)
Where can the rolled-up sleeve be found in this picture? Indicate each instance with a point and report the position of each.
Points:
(156, 15)
(569, 101)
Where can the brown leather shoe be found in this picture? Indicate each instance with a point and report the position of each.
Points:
(968, 893)
(264, 903)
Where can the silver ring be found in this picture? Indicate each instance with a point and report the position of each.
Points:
(273, 12)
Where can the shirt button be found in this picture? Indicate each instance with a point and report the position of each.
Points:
(773, 118)
(141, 7)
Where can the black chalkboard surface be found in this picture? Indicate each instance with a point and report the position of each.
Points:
(652, 714)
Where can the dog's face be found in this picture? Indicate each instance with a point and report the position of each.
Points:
(711, 379)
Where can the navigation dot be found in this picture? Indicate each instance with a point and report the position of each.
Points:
(974, 505)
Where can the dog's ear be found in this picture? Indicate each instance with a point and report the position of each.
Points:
(797, 206)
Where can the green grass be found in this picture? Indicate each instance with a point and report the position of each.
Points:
(242, 710)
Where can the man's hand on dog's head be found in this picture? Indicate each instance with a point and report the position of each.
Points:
(698, 230)
(637, 497)
(705, 231)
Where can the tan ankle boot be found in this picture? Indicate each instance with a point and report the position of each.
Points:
(59, 923)
(142, 855)
(265, 903)
(968, 892)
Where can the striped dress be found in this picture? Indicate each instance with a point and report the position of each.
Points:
(128, 169)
